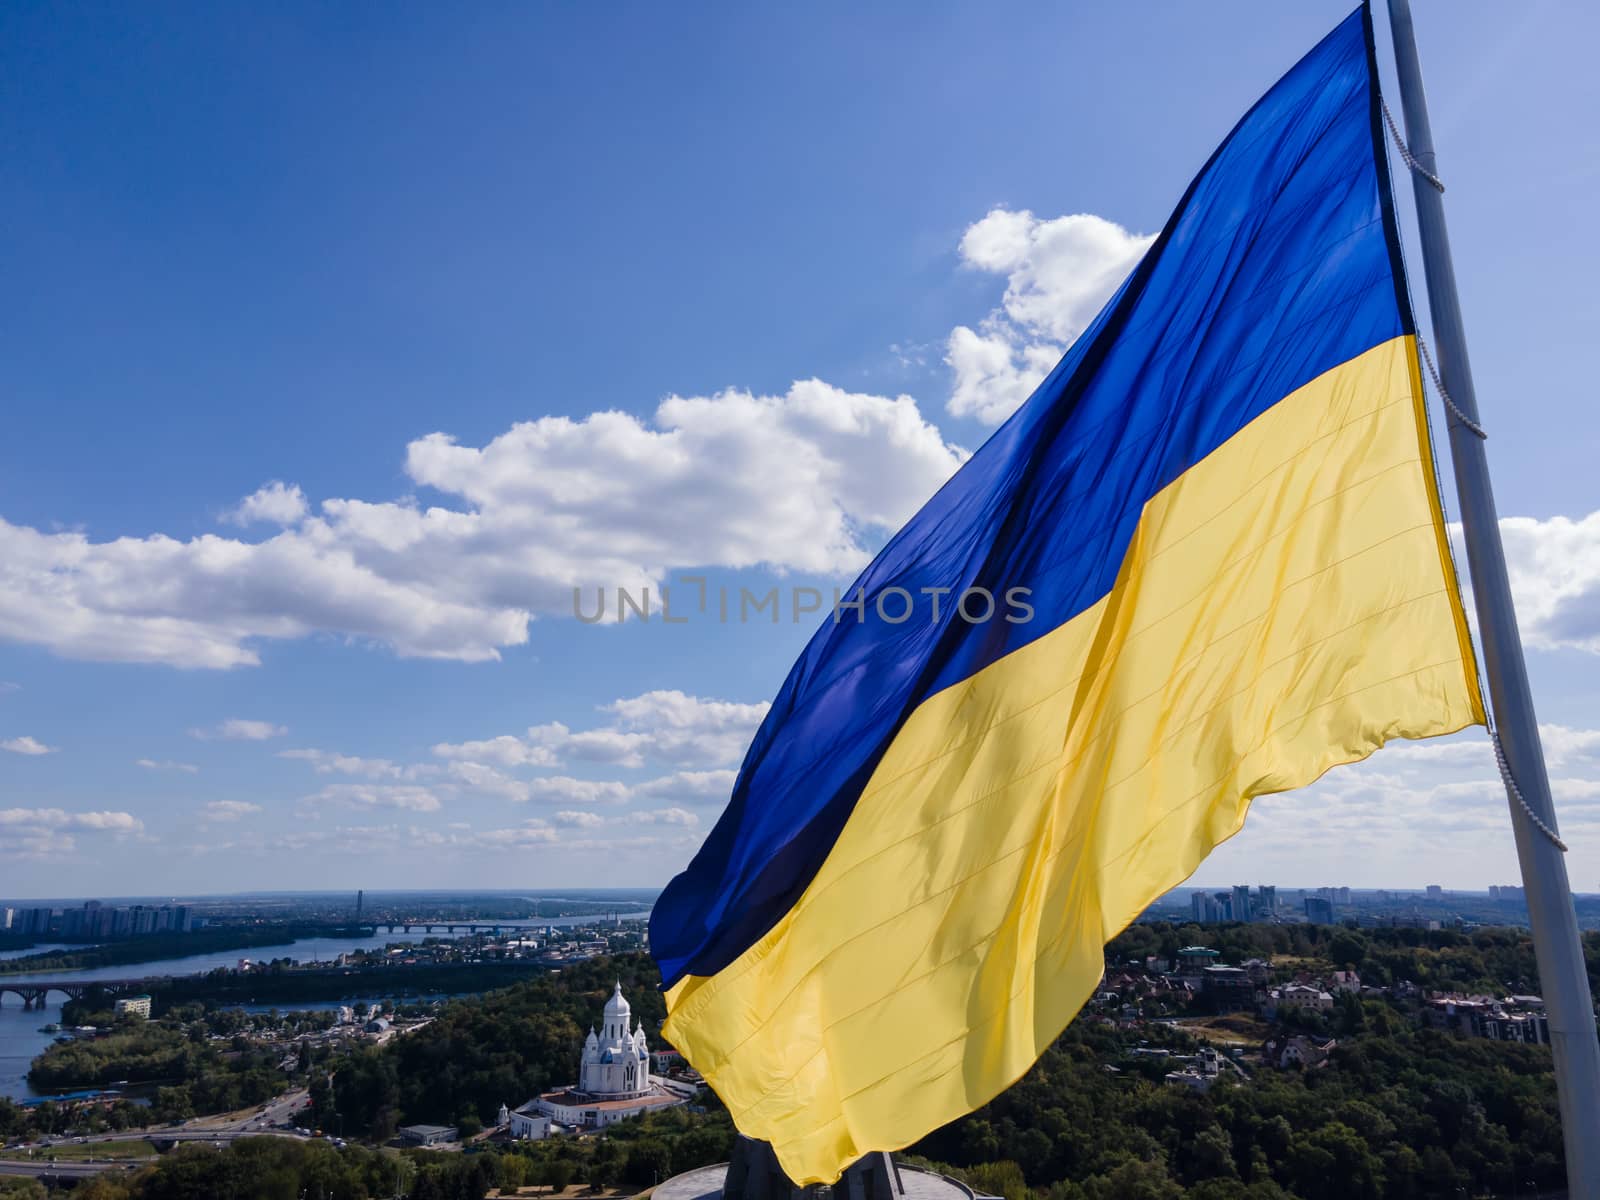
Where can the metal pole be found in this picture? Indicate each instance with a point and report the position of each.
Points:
(1562, 974)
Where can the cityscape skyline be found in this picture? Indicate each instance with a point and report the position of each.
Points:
(179, 901)
(289, 560)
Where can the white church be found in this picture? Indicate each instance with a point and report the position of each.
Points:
(614, 1082)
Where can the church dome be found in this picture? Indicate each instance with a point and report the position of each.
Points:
(617, 1006)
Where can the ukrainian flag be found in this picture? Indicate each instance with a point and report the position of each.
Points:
(1223, 503)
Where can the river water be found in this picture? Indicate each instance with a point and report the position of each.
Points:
(21, 1040)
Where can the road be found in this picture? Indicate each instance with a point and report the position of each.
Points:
(277, 1119)
(61, 1170)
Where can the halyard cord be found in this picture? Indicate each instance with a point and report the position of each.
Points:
(1494, 734)
(1516, 792)
(1479, 432)
(1471, 426)
(1405, 150)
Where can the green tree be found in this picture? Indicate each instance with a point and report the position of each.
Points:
(1003, 1178)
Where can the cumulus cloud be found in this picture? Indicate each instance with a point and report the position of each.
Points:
(568, 819)
(690, 785)
(328, 762)
(1439, 803)
(236, 730)
(406, 797)
(151, 764)
(27, 745)
(1059, 274)
(228, 810)
(1555, 579)
(394, 840)
(794, 481)
(563, 789)
(664, 816)
(45, 833)
(516, 837)
(274, 502)
(666, 726)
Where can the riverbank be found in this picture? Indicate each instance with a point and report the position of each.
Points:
(160, 947)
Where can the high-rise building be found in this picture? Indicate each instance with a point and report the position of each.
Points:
(1435, 892)
(1268, 903)
(1205, 908)
(1319, 910)
(7, 915)
(36, 920)
(361, 897)
(1242, 910)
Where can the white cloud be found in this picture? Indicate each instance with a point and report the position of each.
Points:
(578, 820)
(806, 481)
(569, 819)
(667, 726)
(650, 848)
(563, 789)
(406, 797)
(664, 816)
(151, 764)
(27, 745)
(47, 833)
(506, 750)
(7, 687)
(56, 818)
(690, 785)
(1059, 274)
(236, 730)
(1563, 745)
(1437, 805)
(994, 372)
(273, 502)
(1555, 579)
(328, 762)
(480, 777)
(228, 810)
(520, 837)
(688, 730)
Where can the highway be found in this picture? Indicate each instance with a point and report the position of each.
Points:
(60, 1170)
(277, 1119)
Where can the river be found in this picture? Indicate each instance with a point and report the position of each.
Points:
(21, 1041)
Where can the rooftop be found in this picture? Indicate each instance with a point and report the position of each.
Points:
(571, 1098)
(705, 1183)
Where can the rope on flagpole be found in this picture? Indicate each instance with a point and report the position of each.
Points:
(1494, 734)
(1516, 792)
(1405, 150)
(1467, 422)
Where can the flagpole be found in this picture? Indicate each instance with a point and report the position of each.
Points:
(1557, 945)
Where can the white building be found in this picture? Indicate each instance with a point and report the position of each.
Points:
(614, 1081)
(1300, 995)
(138, 1006)
(526, 1123)
(616, 1063)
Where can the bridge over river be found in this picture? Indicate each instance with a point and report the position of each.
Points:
(35, 991)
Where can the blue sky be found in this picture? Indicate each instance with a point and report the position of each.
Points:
(420, 280)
